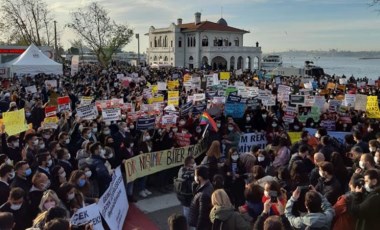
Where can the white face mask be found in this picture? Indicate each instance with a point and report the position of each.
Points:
(71, 196)
(88, 174)
(361, 164)
(182, 123)
(196, 179)
(67, 157)
(175, 130)
(320, 173)
(261, 159)
(234, 157)
(367, 188)
(264, 116)
(9, 162)
(16, 144)
(199, 130)
(126, 129)
(147, 138)
(42, 146)
(102, 153)
(317, 135)
(218, 125)
(49, 162)
(16, 206)
(376, 159)
(369, 129)
(94, 130)
(274, 125)
(230, 128)
(49, 205)
(62, 175)
(132, 127)
(35, 143)
(11, 175)
(372, 149)
(67, 141)
(248, 119)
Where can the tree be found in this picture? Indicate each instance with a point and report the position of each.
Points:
(99, 32)
(375, 3)
(27, 21)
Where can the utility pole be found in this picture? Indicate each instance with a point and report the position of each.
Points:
(138, 49)
(55, 41)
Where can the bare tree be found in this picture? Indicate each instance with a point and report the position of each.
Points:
(99, 32)
(78, 43)
(375, 3)
(27, 20)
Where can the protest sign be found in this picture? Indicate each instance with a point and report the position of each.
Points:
(113, 204)
(297, 99)
(162, 86)
(74, 64)
(50, 111)
(120, 76)
(64, 104)
(236, 110)
(86, 100)
(149, 163)
(86, 215)
(182, 139)
(31, 89)
(349, 100)
(215, 80)
(187, 78)
(330, 85)
(87, 112)
(294, 136)
(247, 140)
(231, 90)
(329, 125)
(50, 123)
(155, 99)
(173, 85)
(361, 102)
(111, 114)
(199, 97)
(199, 109)
(334, 106)
(319, 101)
(218, 100)
(372, 107)
(195, 82)
(173, 98)
(169, 119)
(209, 80)
(225, 76)
(307, 112)
(14, 122)
(186, 108)
(146, 123)
(51, 83)
(239, 72)
(342, 81)
(338, 135)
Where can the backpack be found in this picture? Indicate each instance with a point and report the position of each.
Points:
(183, 186)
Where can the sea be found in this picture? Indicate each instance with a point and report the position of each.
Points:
(338, 65)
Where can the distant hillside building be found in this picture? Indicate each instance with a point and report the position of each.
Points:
(202, 43)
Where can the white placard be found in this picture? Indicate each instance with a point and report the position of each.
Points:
(199, 97)
(162, 86)
(87, 112)
(31, 89)
(86, 215)
(113, 204)
(51, 83)
(111, 114)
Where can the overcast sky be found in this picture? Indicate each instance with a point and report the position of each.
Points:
(279, 25)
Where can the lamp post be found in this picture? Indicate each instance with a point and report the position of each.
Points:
(138, 49)
(55, 41)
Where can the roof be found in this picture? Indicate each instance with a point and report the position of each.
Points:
(206, 25)
(222, 21)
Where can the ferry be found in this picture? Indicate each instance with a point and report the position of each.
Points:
(271, 62)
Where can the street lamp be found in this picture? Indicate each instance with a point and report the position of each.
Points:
(138, 49)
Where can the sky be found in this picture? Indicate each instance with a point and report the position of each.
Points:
(278, 25)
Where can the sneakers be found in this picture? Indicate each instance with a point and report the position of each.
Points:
(143, 194)
(147, 192)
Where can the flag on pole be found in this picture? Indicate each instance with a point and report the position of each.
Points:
(207, 119)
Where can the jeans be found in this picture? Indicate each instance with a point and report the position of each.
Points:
(141, 183)
(186, 212)
(130, 188)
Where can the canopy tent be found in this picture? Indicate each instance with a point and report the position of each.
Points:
(33, 61)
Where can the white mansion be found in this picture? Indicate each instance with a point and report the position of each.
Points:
(200, 44)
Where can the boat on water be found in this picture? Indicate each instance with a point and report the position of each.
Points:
(309, 70)
(271, 62)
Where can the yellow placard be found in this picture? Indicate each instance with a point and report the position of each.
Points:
(154, 89)
(330, 85)
(186, 78)
(372, 108)
(54, 120)
(14, 122)
(172, 85)
(173, 98)
(149, 163)
(155, 99)
(295, 136)
(341, 87)
(225, 75)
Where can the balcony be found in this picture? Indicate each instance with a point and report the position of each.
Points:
(231, 49)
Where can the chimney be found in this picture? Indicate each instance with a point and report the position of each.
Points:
(197, 18)
(179, 21)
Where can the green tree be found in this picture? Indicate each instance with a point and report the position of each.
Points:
(26, 22)
(99, 32)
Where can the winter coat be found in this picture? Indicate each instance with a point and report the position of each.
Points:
(365, 207)
(187, 175)
(343, 219)
(228, 219)
(96, 164)
(320, 220)
(330, 189)
(200, 207)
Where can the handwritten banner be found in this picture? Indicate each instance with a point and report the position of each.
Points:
(373, 107)
(14, 122)
(149, 163)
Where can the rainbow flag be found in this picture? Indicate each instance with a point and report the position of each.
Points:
(207, 119)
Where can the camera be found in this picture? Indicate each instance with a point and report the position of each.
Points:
(273, 196)
(303, 188)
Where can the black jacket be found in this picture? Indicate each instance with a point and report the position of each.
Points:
(22, 217)
(4, 192)
(96, 164)
(259, 224)
(200, 207)
(365, 207)
(25, 184)
(330, 189)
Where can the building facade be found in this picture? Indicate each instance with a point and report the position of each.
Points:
(202, 43)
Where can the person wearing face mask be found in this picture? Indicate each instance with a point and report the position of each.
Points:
(144, 146)
(366, 202)
(232, 139)
(372, 129)
(18, 206)
(366, 162)
(94, 131)
(106, 132)
(246, 125)
(374, 146)
(327, 184)
(79, 179)
(22, 177)
(63, 159)
(197, 135)
(200, 205)
(30, 150)
(40, 184)
(234, 171)
(37, 114)
(6, 175)
(97, 166)
(121, 137)
(12, 147)
(69, 195)
(45, 163)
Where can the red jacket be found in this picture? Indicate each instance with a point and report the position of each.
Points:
(343, 220)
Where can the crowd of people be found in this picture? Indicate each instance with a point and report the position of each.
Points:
(47, 174)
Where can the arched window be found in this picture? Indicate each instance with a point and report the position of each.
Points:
(160, 42)
(205, 41)
(236, 41)
(215, 41)
(188, 42)
(166, 41)
(220, 42)
(155, 42)
(166, 58)
(226, 42)
(179, 42)
(194, 43)
(191, 59)
(171, 43)
(155, 58)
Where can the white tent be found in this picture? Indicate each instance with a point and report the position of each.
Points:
(33, 62)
